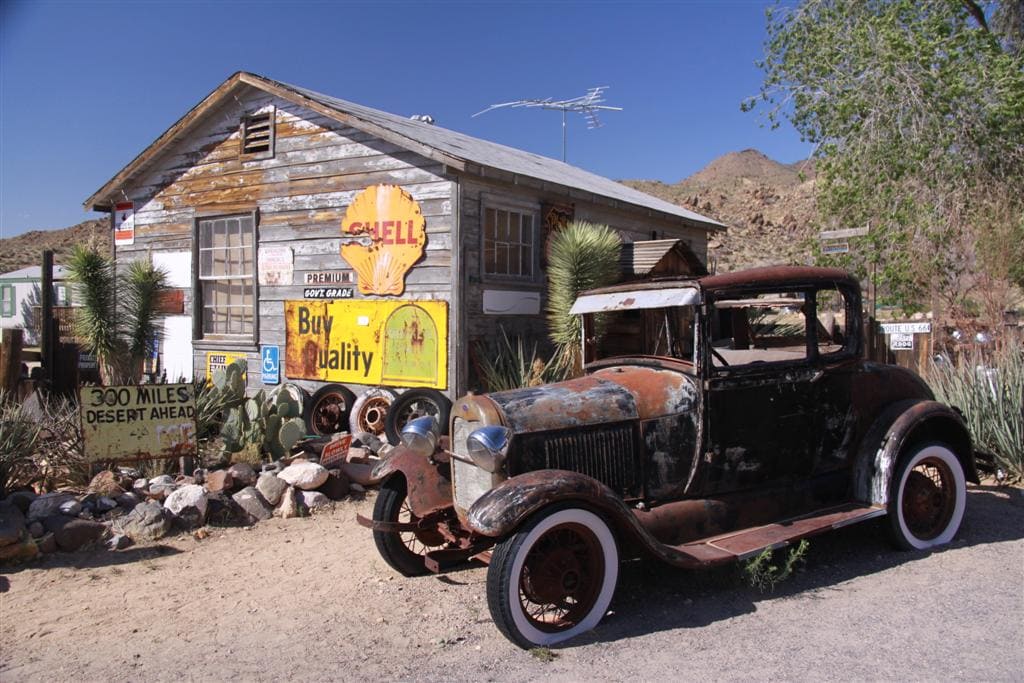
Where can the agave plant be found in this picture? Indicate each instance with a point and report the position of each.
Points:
(581, 256)
(117, 321)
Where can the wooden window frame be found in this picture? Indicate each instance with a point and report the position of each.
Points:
(198, 332)
(7, 307)
(247, 120)
(523, 209)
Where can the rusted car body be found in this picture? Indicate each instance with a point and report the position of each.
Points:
(735, 414)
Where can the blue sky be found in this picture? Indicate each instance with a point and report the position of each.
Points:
(85, 86)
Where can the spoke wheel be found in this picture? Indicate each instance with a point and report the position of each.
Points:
(554, 579)
(328, 411)
(403, 551)
(929, 498)
(413, 404)
(370, 411)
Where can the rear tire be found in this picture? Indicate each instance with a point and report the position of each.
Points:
(927, 498)
(554, 578)
(403, 551)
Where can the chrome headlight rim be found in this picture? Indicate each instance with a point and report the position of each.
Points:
(488, 446)
(421, 435)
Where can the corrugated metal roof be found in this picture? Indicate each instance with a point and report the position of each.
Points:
(507, 159)
(35, 273)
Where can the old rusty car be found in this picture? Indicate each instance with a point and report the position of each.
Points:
(717, 417)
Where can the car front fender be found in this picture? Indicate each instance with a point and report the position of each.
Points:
(428, 482)
(900, 424)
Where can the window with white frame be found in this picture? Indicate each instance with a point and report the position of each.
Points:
(7, 301)
(227, 282)
(508, 243)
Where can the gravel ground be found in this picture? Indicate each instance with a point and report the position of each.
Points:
(311, 599)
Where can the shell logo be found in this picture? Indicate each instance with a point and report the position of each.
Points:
(383, 235)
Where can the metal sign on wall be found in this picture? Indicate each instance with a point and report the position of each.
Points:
(216, 360)
(383, 235)
(124, 223)
(395, 343)
(276, 265)
(144, 422)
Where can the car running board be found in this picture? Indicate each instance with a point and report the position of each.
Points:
(741, 545)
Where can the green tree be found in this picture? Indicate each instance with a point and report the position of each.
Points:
(916, 108)
(581, 256)
(117, 320)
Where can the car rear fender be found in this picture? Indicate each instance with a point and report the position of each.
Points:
(428, 482)
(898, 426)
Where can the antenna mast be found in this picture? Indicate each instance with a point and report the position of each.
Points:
(588, 105)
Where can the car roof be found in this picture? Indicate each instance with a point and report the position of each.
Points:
(741, 279)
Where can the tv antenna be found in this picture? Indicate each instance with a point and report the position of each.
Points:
(588, 105)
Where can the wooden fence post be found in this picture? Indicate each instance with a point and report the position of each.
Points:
(10, 360)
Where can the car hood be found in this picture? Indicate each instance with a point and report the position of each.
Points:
(613, 394)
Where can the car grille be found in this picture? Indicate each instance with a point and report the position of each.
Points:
(607, 453)
(469, 481)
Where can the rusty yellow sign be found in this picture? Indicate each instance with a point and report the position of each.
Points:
(383, 235)
(394, 343)
(138, 422)
(215, 360)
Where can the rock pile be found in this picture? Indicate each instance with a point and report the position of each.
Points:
(119, 508)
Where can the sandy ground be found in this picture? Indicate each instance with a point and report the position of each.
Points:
(310, 599)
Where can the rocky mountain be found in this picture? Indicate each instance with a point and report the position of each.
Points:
(27, 249)
(768, 206)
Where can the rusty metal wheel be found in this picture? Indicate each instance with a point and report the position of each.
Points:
(328, 411)
(413, 404)
(370, 411)
(404, 550)
(554, 579)
(928, 498)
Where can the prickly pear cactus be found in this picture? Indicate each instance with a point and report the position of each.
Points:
(273, 424)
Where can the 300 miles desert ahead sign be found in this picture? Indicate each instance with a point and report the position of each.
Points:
(144, 422)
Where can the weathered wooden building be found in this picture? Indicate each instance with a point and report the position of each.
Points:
(252, 202)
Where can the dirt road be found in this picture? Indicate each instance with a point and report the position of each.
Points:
(310, 599)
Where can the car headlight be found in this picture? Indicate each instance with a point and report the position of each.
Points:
(420, 435)
(488, 446)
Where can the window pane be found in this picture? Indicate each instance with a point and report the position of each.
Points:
(513, 227)
(526, 261)
(226, 266)
(502, 259)
(489, 225)
(831, 326)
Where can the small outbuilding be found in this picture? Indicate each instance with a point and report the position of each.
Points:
(330, 243)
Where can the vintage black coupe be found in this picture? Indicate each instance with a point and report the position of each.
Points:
(718, 416)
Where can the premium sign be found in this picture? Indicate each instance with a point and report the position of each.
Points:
(124, 223)
(395, 343)
(328, 277)
(383, 234)
(138, 422)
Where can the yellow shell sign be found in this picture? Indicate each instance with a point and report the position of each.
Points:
(395, 343)
(383, 234)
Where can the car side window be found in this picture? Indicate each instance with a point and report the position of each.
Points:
(833, 319)
(768, 327)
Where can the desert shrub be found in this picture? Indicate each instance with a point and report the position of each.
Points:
(989, 391)
(762, 573)
(508, 365)
(19, 434)
(59, 456)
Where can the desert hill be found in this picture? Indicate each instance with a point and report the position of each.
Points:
(768, 206)
(27, 249)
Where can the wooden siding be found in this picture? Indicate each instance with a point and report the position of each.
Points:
(301, 193)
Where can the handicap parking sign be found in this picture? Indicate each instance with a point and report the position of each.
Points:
(270, 363)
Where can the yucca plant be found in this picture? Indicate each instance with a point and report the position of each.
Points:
(990, 393)
(509, 366)
(117, 319)
(581, 256)
(18, 436)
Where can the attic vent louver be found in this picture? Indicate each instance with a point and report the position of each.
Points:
(258, 134)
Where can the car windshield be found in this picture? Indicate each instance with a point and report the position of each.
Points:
(667, 331)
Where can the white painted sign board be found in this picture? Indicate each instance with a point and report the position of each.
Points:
(901, 342)
(907, 328)
(509, 302)
(275, 266)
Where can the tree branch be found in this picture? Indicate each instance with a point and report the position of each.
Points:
(977, 13)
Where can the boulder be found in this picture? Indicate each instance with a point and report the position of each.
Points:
(160, 491)
(71, 508)
(127, 500)
(47, 505)
(219, 481)
(254, 506)
(23, 499)
(140, 486)
(183, 480)
(336, 485)
(106, 483)
(356, 488)
(359, 473)
(291, 504)
(188, 504)
(105, 503)
(271, 487)
(47, 543)
(147, 522)
(36, 529)
(118, 542)
(163, 479)
(74, 534)
(304, 475)
(199, 476)
(12, 523)
(222, 510)
(243, 474)
(314, 500)
(24, 549)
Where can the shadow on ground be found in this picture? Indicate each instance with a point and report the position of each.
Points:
(652, 596)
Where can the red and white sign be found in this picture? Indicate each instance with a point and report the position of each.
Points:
(124, 223)
(336, 452)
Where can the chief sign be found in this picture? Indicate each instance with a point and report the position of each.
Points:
(383, 234)
(143, 422)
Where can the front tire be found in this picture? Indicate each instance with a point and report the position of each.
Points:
(553, 579)
(403, 551)
(928, 497)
